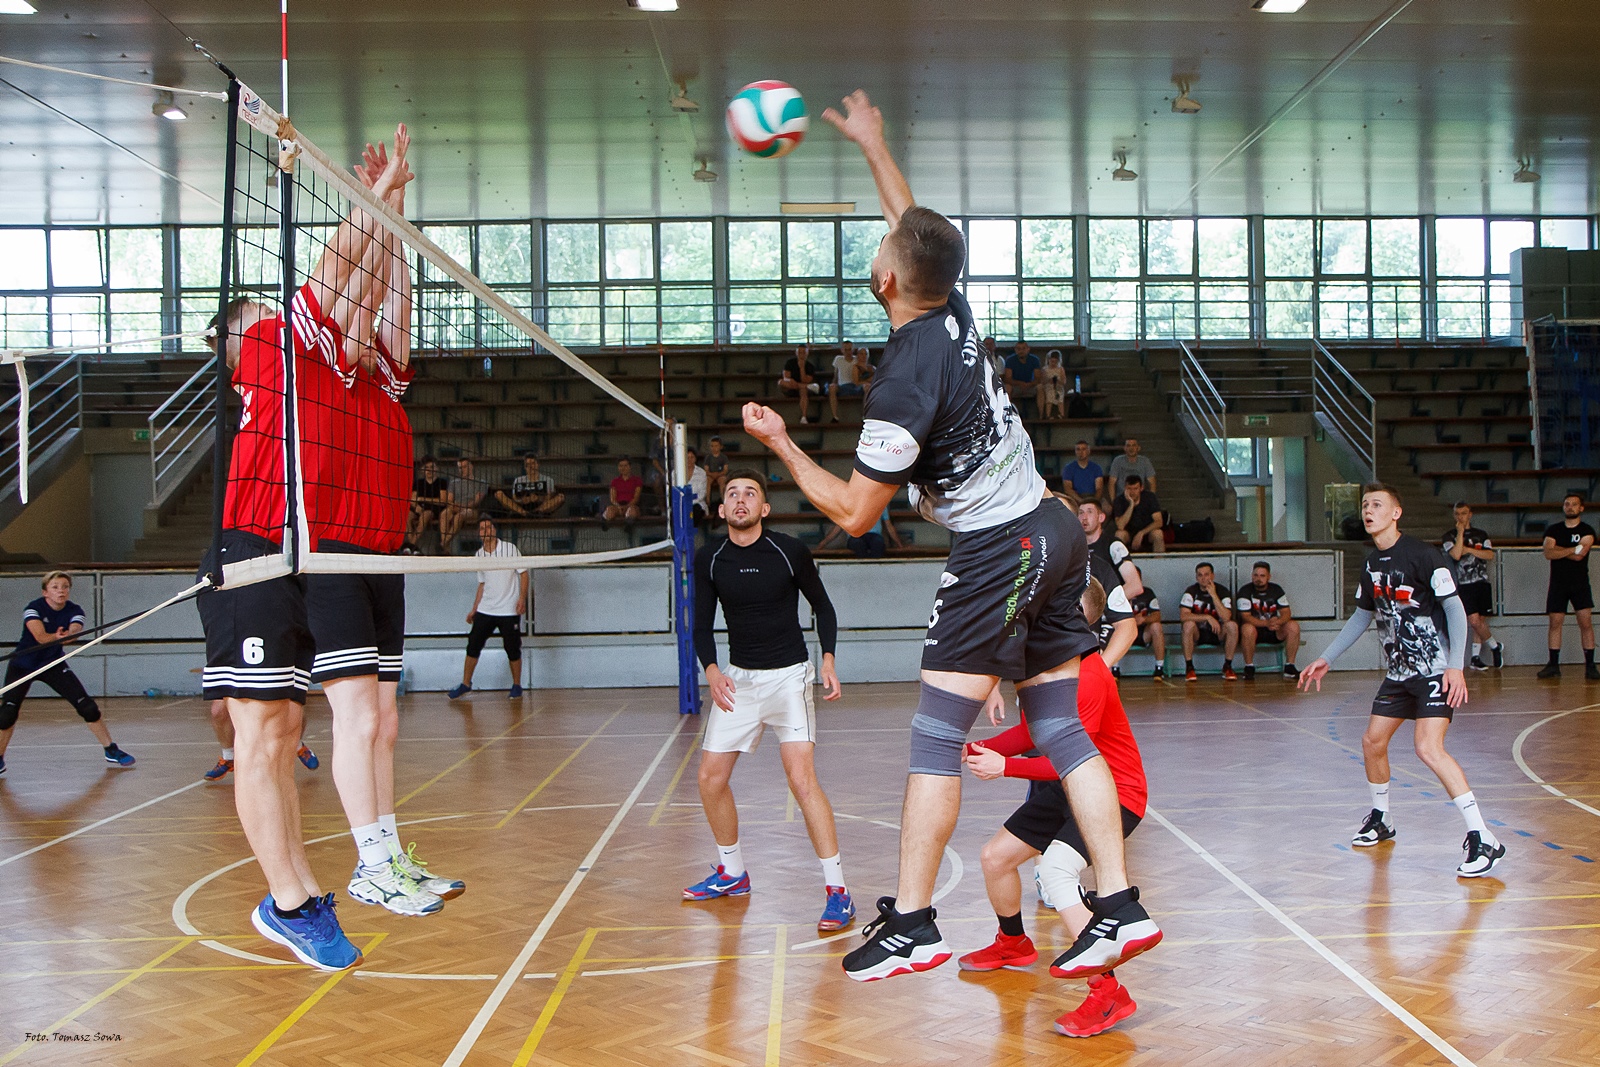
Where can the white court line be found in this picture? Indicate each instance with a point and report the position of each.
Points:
(180, 911)
(1516, 754)
(1416, 1025)
(427, 977)
(509, 978)
(666, 966)
(102, 822)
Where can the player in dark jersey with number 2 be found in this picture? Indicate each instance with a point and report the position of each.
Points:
(1008, 603)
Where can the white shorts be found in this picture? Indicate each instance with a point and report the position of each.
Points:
(778, 698)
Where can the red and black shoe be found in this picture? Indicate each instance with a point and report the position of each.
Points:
(1013, 953)
(1107, 1004)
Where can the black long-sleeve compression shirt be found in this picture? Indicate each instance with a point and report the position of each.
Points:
(759, 586)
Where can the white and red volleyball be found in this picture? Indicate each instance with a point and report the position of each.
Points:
(768, 119)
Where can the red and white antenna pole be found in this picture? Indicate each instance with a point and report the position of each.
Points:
(283, 52)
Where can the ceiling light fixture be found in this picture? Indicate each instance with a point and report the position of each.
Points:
(167, 108)
(1183, 103)
(1122, 173)
(704, 173)
(680, 100)
(17, 7)
(817, 207)
(1279, 7)
(654, 5)
(1525, 174)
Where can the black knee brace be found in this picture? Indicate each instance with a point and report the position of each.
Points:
(87, 709)
(939, 730)
(1051, 709)
(8, 714)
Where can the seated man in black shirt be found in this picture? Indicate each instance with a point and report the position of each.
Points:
(532, 495)
(758, 576)
(800, 380)
(1139, 517)
(430, 497)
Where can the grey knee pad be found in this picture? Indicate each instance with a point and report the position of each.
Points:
(88, 710)
(939, 731)
(1051, 709)
(8, 714)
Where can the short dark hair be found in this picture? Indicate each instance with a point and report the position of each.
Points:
(1573, 494)
(1091, 499)
(1080, 441)
(930, 252)
(1382, 487)
(716, 438)
(488, 519)
(1133, 479)
(1263, 564)
(1461, 504)
(746, 474)
(1207, 565)
(425, 460)
(228, 314)
(691, 452)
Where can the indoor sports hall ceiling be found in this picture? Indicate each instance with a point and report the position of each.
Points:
(560, 107)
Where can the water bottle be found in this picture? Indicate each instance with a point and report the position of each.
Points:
(488, 367)
(404, 683)
(153, 692)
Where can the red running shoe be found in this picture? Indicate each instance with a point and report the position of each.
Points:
(1229, 675)
(1013, 953)
(1191, 675)
(1107, 1004)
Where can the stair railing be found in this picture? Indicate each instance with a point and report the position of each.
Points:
(1344, 408)
(54, 410)
(181, 431)
(1203, 414)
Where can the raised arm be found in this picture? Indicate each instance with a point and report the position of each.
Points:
(863, 124)
(855, 505)
(352, 240)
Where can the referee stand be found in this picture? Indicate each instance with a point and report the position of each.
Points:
(681, 509)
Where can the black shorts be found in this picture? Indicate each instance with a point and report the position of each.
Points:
(357, 620)
(1413, 698)
(258, 642)
(1477, 598)
(1205, 635)
(1581, 597)
(1265, 636)
(510, 628)
(59, 677)
(1046, 816)
(1009, 601)
(435, 506)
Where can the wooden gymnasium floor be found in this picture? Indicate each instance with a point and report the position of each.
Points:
(574, 822)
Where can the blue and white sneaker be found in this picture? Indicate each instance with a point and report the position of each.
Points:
(719, 884)
(515, 692)
(115, 755)
(839, 912)
(459, 691)
(316, 940)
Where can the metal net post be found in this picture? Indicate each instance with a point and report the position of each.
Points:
(682, 509)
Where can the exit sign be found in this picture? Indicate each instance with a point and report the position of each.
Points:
(1258, 420)
(141, 435)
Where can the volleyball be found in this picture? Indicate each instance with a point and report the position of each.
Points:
(768, 119)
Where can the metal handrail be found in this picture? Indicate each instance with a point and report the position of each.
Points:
(1199, 395)
(180, 424)
(1336, 393)
(55, 407)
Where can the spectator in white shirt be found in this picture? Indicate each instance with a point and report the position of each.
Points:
(501, 601)
(846, 377)
(697, 485)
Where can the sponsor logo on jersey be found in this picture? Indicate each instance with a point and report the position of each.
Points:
(946, 580)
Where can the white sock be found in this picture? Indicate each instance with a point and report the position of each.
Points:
(227, 753)
(1467, 804)
(730, 859)
(390, 833)
(833, 871)
(1380, 795)
(1492, 644)
(369, 843)
(1477, 647)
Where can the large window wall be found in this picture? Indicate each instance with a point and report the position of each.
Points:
(805, 280)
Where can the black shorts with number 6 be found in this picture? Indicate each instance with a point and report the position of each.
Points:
(258, 642)
(1413, 698)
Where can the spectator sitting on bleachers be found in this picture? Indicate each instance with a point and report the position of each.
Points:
(874, 544)
(847, 380)
(1131, 462)
(716, 468)
(1021, 368)
(532, 495)
(467, 500)
(1206, 613)
(1147, 616)
(1083, 475)
(625, 490)
(800, 380)
(1265, 616)
(697, 486)
(1053, 386)
(1139, 517)
(865, 368)
(994, 356)
(430, 498)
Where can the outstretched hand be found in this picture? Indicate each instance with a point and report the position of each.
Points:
(1312, 675)
(765, 425)
(861, 122)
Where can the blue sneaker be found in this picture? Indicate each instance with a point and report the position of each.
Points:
(459, 691)
(315, 940)
(839, 912)
(308, 759)
(222, 768)
(719, 884)
(515, 692)
(118, 757)
(2, 765)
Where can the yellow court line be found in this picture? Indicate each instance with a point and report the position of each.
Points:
(775, 1006)
(672, 786)
(500, 736)
(525, 801)
(554, 1002)
(305, 1006)
(97, 998)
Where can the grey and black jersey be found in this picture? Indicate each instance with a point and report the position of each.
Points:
(1405, 587)
(1469, 568)
(937, 419)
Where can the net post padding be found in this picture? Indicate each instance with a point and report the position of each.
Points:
(264, 118)
(682, 510)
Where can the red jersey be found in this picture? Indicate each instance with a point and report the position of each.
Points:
(368, 508)
(1105, 721)
(255, 500)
